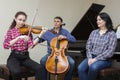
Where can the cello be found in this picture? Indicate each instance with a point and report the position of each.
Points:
(57, 62)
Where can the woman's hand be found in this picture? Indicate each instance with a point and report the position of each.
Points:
(90, 61)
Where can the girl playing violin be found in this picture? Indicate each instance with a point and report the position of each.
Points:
(19, 45)
(61, 33)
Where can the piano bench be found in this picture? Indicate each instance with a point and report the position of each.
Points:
(110, 73)
(7, 75)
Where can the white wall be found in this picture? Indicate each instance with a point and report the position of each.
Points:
(112, 8)
(70, 10)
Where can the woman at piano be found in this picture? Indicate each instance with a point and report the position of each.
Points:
(100, 48)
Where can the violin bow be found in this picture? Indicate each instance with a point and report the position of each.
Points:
(33, 21)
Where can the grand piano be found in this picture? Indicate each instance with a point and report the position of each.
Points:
(82, 31)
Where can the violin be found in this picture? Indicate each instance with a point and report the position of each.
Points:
(57, 62)
(27, 29)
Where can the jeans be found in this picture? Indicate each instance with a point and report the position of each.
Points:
(68, 75)
(87, 72)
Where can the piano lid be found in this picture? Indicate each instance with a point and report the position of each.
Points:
(85, 26)
(87, 23)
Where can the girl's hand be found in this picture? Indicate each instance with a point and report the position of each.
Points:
(24, 37)
(42, 32)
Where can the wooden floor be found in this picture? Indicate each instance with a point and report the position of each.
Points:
(32, 78)
(60, 77)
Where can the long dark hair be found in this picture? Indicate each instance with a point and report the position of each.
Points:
(13, 24)
(107, 19)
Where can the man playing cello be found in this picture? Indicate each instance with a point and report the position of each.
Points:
(48, 35)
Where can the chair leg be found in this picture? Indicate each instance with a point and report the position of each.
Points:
(10, 77)
(26, 78)
(48, 76)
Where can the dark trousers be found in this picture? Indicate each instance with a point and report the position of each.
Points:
(16, 60)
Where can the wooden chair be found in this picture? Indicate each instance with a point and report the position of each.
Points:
(109, 74)
(7, 75)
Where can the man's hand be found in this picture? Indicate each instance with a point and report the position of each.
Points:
(60, 37)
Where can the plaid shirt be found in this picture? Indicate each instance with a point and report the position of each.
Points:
(20, 45)
(102, 46)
